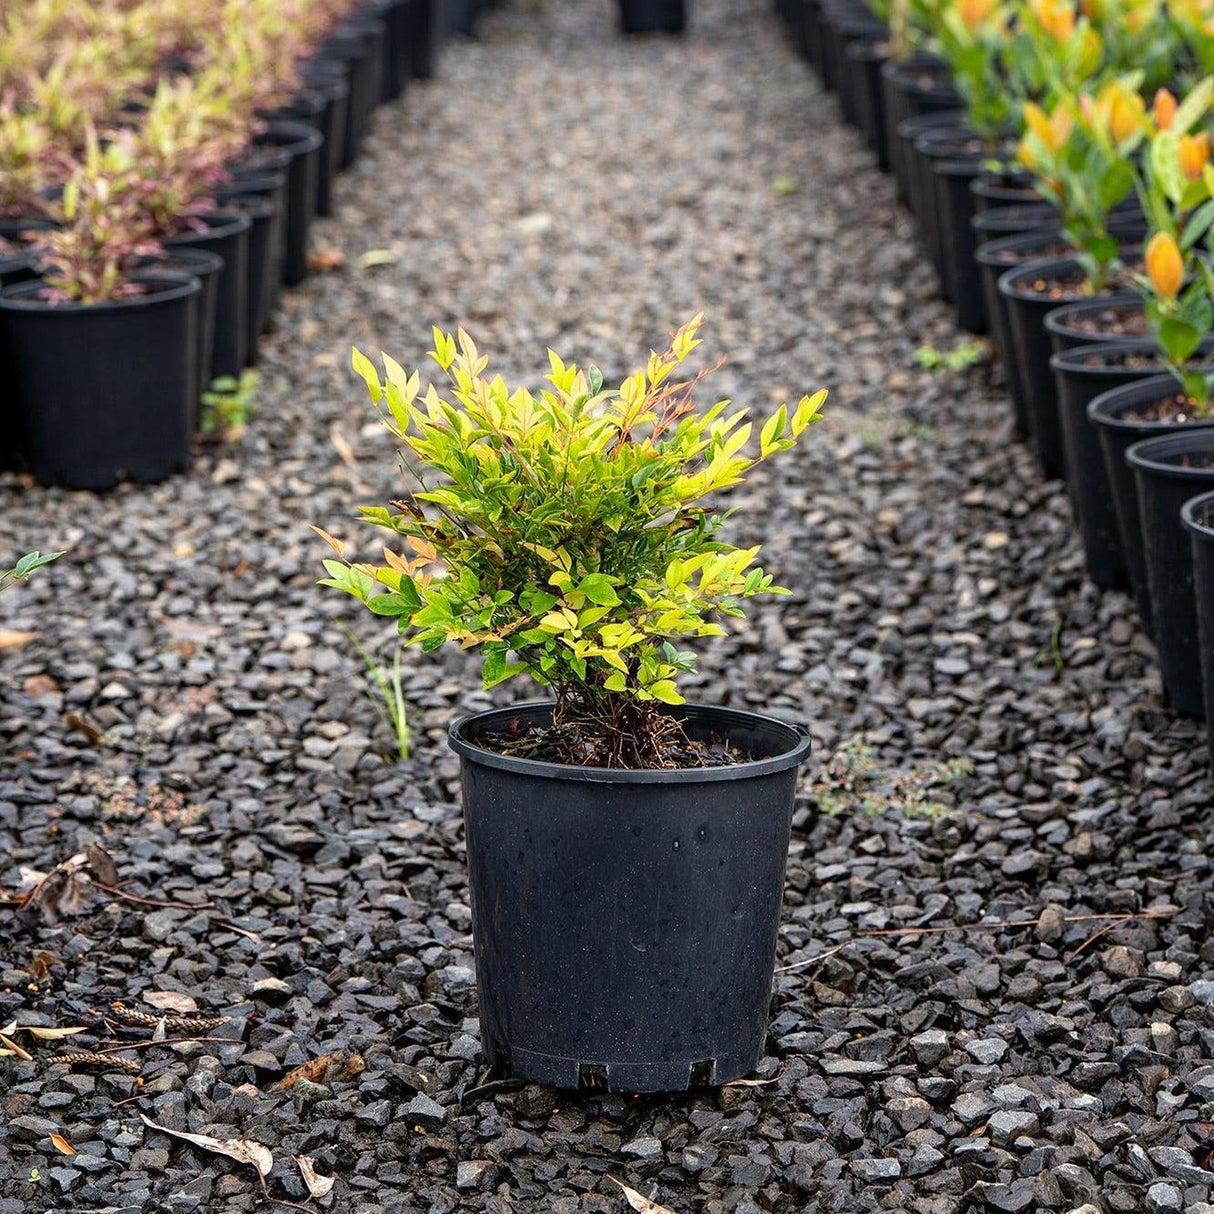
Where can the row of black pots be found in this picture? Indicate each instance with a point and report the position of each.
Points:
(125, 405)
(1082, 380)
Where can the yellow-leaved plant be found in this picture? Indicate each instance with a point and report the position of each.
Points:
(564, 533)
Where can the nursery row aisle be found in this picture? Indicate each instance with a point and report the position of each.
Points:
(193, 704)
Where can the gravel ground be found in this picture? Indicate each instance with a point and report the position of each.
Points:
(193, 706)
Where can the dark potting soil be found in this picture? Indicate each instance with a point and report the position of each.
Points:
(1126, 361)
(1117, 321)
(566, 746)
(1072, 286)
(1176, 408)
(1014, 256)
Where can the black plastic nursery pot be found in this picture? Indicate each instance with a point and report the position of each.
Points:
(991, 190)
(456, 17)
(206, 267)
(1112, 415)
(13, 270)
(1117, 319)
(1028, 307)
(867, 56)
(1168, 471)
(355, 47)
(261, 201)
(905, 160)
(105, 390)
(844, 22)
(322, 107)
(225, 233)
(1083, 373)
(939, 142)
(302, 143)
(624, 922)
(636, 17)
(1014, 219)
(392, 70)
(421, 42)
(994, 258)
(912, 88)
(958, 242)
(1198, 518)
(806, 22)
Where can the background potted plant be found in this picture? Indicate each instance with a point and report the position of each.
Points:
(625, 850)
(121, 405)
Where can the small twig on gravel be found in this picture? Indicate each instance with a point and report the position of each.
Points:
(800, 965)
(233, 927)
(115, 892)
(1123, 917)
(278, 1201)
(1108, 927)
(494, 1085)
(99, 1058)
(143, 1045)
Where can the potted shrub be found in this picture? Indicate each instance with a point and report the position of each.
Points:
(103, 357)
(1082, 151)
(625, 849)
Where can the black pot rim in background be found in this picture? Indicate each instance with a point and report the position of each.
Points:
(1073, 358)
(166, 286)
(1037, 267)
(1152, 454)
(796, 738)
(1202, 504)
(1056, 322)
(218, 223)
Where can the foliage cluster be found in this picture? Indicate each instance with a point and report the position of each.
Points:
(565, 534)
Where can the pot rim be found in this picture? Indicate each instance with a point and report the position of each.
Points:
(1098, 407)
(1038, 265)
(172, 286)
(1055, 322)
(1070, 359)
(987, 252)
(801, 744)
(1141, 456)
(228, 223)
(207, 262)
(1188, 516)
(298, 138)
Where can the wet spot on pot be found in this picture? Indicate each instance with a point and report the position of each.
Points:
(702, 833)
(737, 911)
(676, 845)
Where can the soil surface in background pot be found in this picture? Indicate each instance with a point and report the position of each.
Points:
(1115, 321)
(567, 746)
(1177, 408)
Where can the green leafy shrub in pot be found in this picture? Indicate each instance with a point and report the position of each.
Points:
(564, 534)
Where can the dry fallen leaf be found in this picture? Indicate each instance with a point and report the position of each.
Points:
(62, 1145)
(44, 1034)
(75, 721)
(314, 1071)
(641, 1204)
(171, 1001)
(325, 260)
(40, 965)
(101, 864)
(242, 1150)
(9, 1045)
(341, 445)
(14, 639)
(377, 257)
(318, 1186)
(750, 1083)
